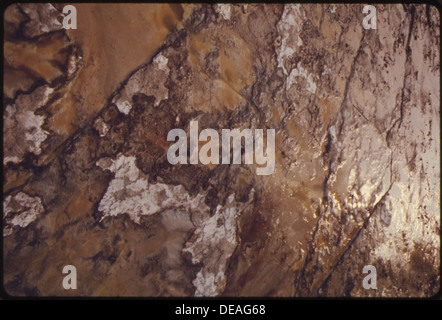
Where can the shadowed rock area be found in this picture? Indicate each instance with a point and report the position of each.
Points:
(87, 182)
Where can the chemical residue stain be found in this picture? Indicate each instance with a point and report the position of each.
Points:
(37, 58)
(26, 62)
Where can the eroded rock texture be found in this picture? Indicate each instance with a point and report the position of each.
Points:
(87, 181)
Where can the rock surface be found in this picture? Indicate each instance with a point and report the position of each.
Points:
(87, 181)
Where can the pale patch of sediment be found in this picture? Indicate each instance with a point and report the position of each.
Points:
(138, 83)
(23, 127)
(20, 210)
(224, 10)
(212, 244)
(289, 29)
(130, 193)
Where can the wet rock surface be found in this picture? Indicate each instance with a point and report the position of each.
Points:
(87, 181)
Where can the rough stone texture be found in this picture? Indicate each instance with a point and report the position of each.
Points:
(86, 176)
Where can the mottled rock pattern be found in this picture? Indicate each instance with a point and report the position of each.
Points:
(87, 181)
